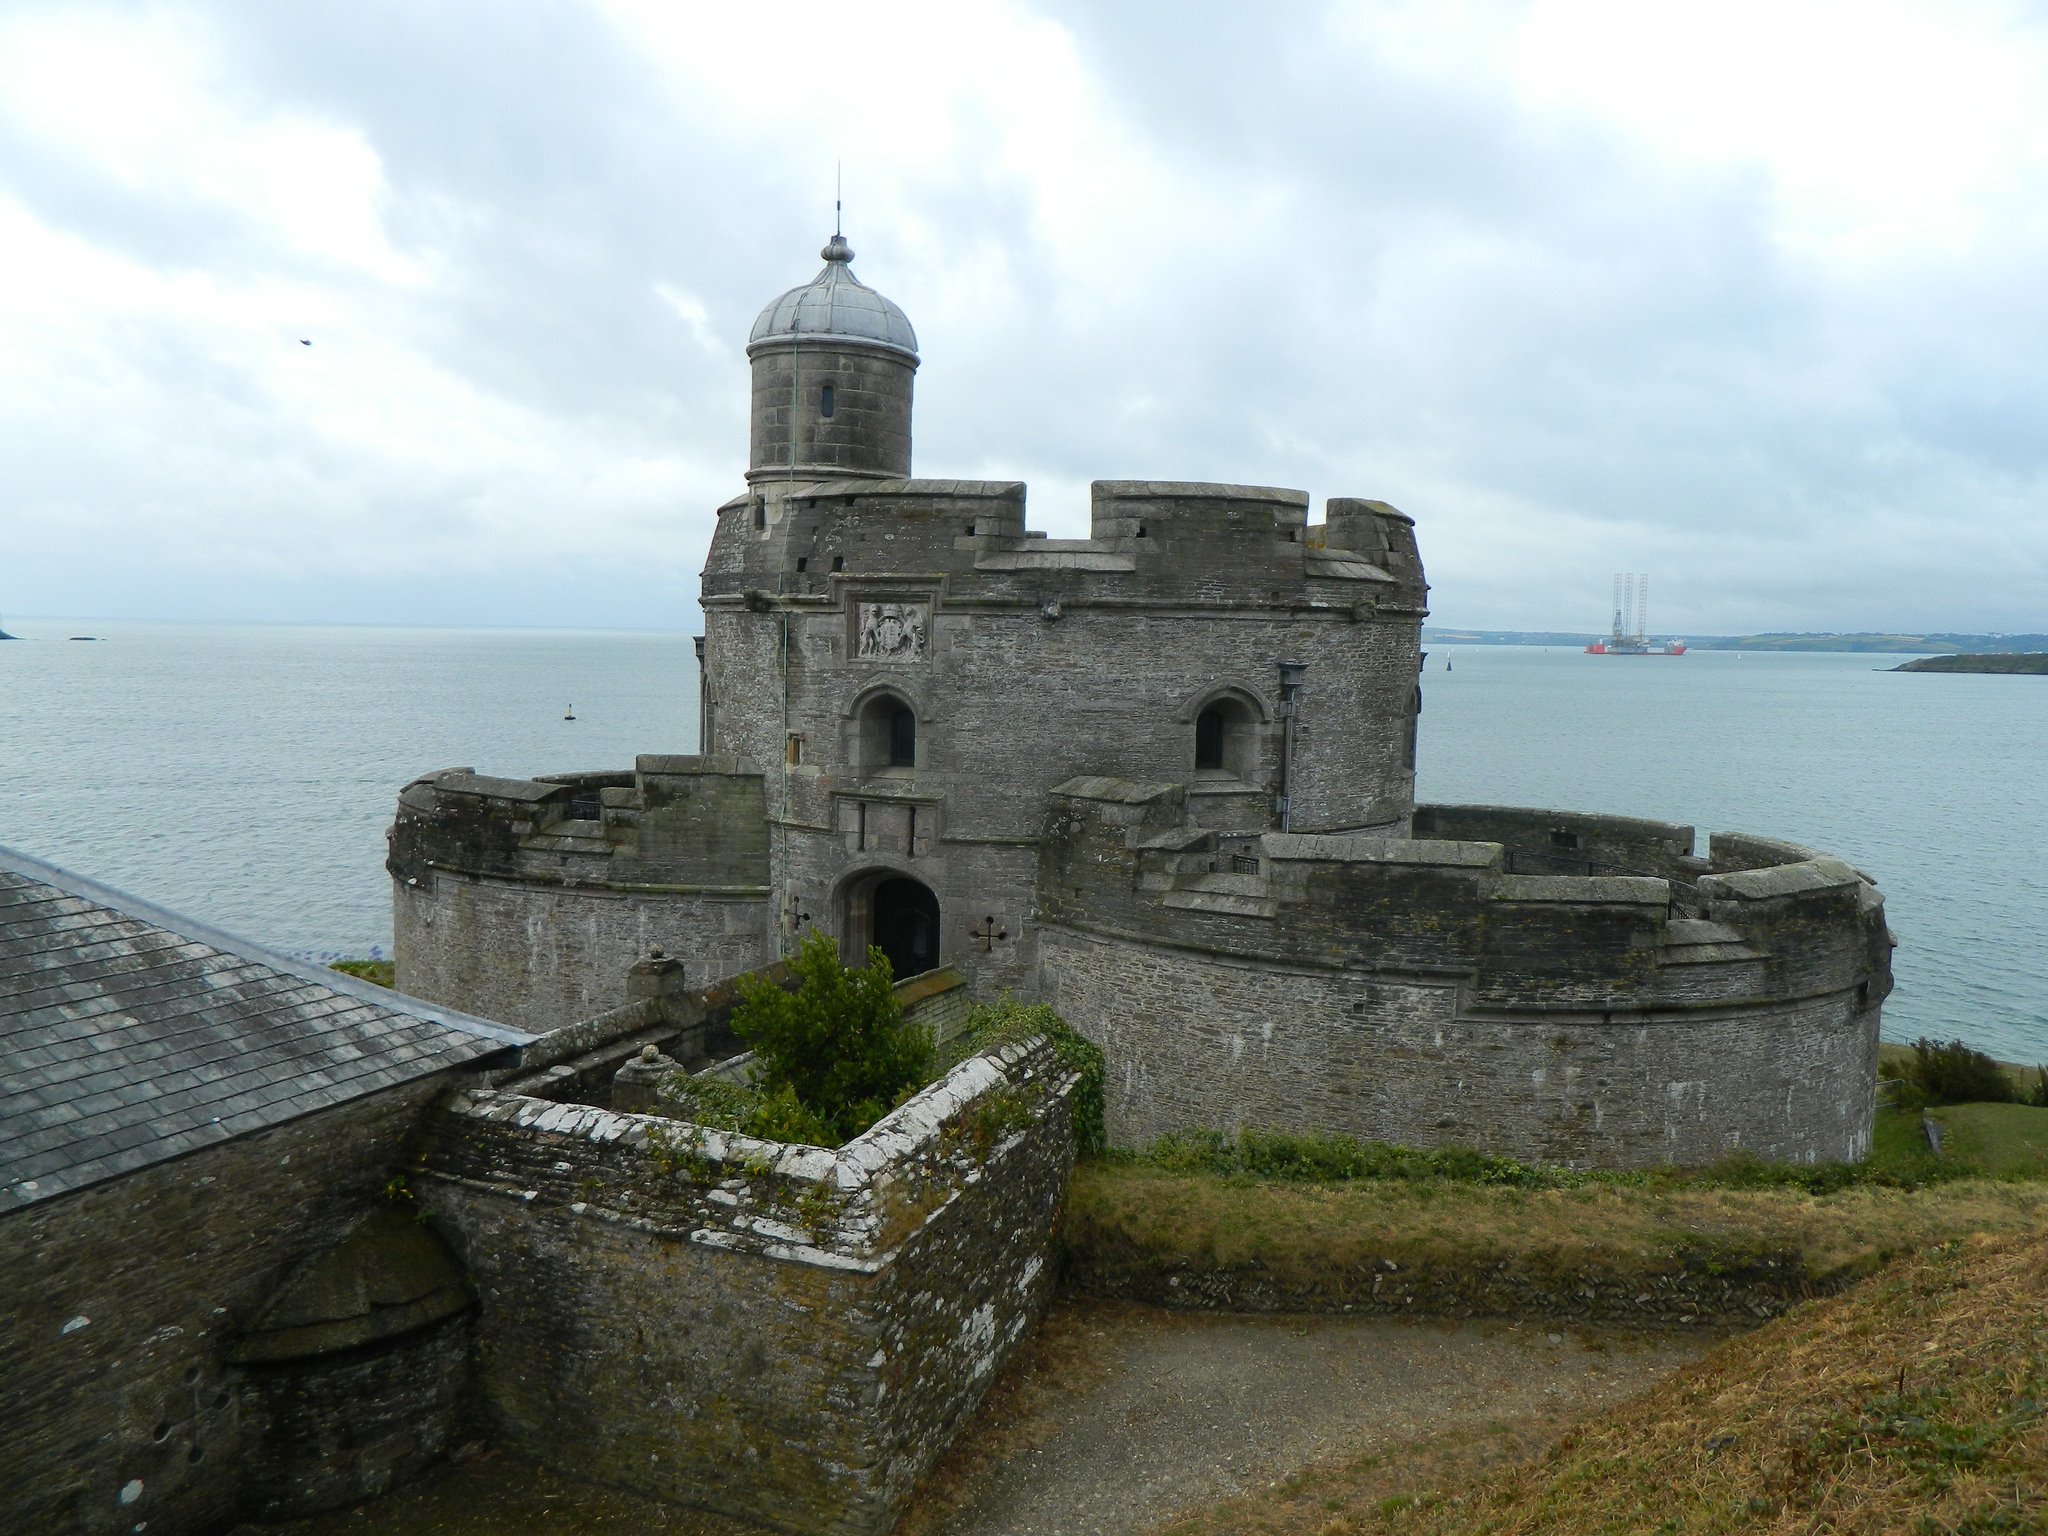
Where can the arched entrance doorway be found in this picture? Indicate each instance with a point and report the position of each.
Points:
(897, 915)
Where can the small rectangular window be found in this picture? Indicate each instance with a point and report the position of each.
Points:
(839, 562)
(760, 514)
(802, 561)
(825, 402)
(794, 749)
(1564, 839)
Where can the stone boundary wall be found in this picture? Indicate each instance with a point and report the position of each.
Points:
(939, 1001)
(786, 1334)
(1416, 991)
(526, 900)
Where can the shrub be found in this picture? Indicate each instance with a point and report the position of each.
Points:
(1955, 1074)
(1007, 1021)
(837, 1044)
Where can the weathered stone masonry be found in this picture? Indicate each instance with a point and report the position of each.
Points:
(913, 682)
(530, 899)
(786, 1334)
(1414, 991)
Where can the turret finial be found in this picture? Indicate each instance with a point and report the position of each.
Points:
(836, 249)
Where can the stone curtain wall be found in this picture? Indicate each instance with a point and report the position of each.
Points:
(786, 1334)
(1413, 991)
(117, 1303)
(526, 900)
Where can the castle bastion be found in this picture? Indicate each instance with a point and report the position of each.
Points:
(1163, 778)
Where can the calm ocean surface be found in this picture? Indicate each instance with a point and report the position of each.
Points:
(245, 775)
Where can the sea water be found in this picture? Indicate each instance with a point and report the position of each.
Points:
(245, 774)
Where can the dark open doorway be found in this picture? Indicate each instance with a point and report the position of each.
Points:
(905, 925)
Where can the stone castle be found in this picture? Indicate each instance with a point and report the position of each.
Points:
(274, 1240)
(1163, 778)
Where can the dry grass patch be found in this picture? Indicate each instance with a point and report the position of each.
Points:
(1916, 1403)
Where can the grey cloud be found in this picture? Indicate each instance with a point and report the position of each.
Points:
(1561, 355)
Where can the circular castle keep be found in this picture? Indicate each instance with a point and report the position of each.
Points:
(1162, 778)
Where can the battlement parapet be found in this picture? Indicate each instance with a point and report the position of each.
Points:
(1613, 1001)
(672, 822)
(1152, 541)
(1624, 920)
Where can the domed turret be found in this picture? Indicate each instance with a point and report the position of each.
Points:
(838, 305)
(833, 363)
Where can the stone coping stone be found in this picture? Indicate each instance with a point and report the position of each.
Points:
(994, 490)
(1383, 508)
(903, 1131)
(933, 983)
(1776, 880)
(1590, 890)
(1197, 490)
(1749, 845)
(1359, 848)
(1539, 818)
(1341, 566)
(682, 765)
(467, 781)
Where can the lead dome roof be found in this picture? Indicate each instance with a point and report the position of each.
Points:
(838, 306)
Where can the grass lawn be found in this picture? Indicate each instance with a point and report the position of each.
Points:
(2005, 1140)
(1319, 1219)
(1303, 1231)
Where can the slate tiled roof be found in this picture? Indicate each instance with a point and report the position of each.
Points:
(129, 1035)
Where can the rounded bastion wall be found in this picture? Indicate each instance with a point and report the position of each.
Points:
(1667, 1009)
(527, 900)
(1398, 1059)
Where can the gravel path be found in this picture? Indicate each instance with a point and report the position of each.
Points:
(1126, 1415)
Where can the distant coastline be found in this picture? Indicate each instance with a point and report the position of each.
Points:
(2033, 663)
(1897, 645)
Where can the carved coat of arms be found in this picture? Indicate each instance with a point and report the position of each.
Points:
(891, 632)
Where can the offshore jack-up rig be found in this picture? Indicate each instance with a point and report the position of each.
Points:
(1630, 635)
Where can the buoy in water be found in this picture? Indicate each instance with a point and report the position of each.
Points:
(569, 713)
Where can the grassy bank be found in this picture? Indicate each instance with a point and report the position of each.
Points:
(1916, 1403)
(1456, 1235)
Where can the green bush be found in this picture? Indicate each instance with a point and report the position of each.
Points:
(1955, 1074)
(834, 1055)
(1007, 1021)
(770, 1114)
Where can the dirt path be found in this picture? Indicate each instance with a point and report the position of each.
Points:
(1115, 1418)
(1120, 1417)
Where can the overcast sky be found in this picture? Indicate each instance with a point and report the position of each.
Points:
(1751, 296)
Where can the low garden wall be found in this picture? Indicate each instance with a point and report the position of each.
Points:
(786, 1334)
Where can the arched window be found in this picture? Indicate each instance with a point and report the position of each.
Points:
(1227, 739)
(886, 741)
(825, 402)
